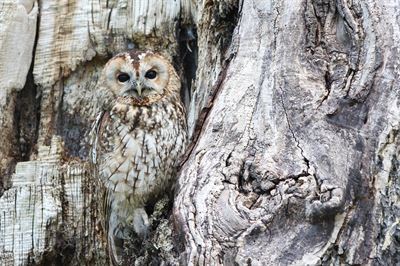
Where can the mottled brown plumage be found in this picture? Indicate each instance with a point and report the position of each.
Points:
(138, 139)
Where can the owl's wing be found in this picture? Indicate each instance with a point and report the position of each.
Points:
(97, 140)
(96, 135)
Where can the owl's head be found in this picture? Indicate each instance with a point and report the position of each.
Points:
(139, 78)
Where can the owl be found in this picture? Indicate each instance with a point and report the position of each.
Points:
(136, 141)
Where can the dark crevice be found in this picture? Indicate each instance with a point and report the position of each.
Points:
(187, 59)
(349, 79)
(206, 109)
(302, 174)
(228, 158)
(328, 84)
(222, 28)
(61, 253)
(225, 23)
(226, 181)
(241, 180)
(27, 109)
(24, 129)
(109, 18)
(26, 117)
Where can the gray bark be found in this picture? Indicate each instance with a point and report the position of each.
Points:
(293, 108)
(297, 162)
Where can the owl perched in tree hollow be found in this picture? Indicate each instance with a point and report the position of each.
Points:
(137, 140)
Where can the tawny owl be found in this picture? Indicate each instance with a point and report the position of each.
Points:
(138, 139)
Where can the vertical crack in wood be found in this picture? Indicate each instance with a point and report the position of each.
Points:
(306, 161)
(205, 112)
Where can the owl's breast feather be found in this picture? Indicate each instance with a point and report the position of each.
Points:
(146, 146)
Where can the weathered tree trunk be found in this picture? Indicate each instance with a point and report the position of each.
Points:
(294, 113)
(298, 159)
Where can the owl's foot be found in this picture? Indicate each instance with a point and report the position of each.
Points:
(140, 222)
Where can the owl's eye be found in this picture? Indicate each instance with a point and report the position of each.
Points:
(151, 74)
(123, 77)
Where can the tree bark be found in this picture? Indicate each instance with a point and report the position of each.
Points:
(293, 108)
(297, 161)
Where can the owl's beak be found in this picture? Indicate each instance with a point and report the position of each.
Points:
(138, 89)
(136, 86)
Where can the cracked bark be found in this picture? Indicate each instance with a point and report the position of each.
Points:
(300, 163)
(293, 109)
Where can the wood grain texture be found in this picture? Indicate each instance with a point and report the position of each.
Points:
(48, 208)
(73, 32)
(17, 25)
(288, 168)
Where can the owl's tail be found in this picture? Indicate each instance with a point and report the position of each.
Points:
(115, 248)
(117, 232)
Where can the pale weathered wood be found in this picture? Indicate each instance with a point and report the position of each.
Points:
(17, 25)
(50, 201)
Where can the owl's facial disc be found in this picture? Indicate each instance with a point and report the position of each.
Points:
(139, 78)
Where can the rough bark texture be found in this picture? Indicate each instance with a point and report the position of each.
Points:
(294, 112)
(297, 162)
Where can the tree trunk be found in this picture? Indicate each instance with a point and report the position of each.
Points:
(293, 108)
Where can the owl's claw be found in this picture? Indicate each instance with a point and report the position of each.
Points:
(141, 223)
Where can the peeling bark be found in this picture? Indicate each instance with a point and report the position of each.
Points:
(293, 108)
